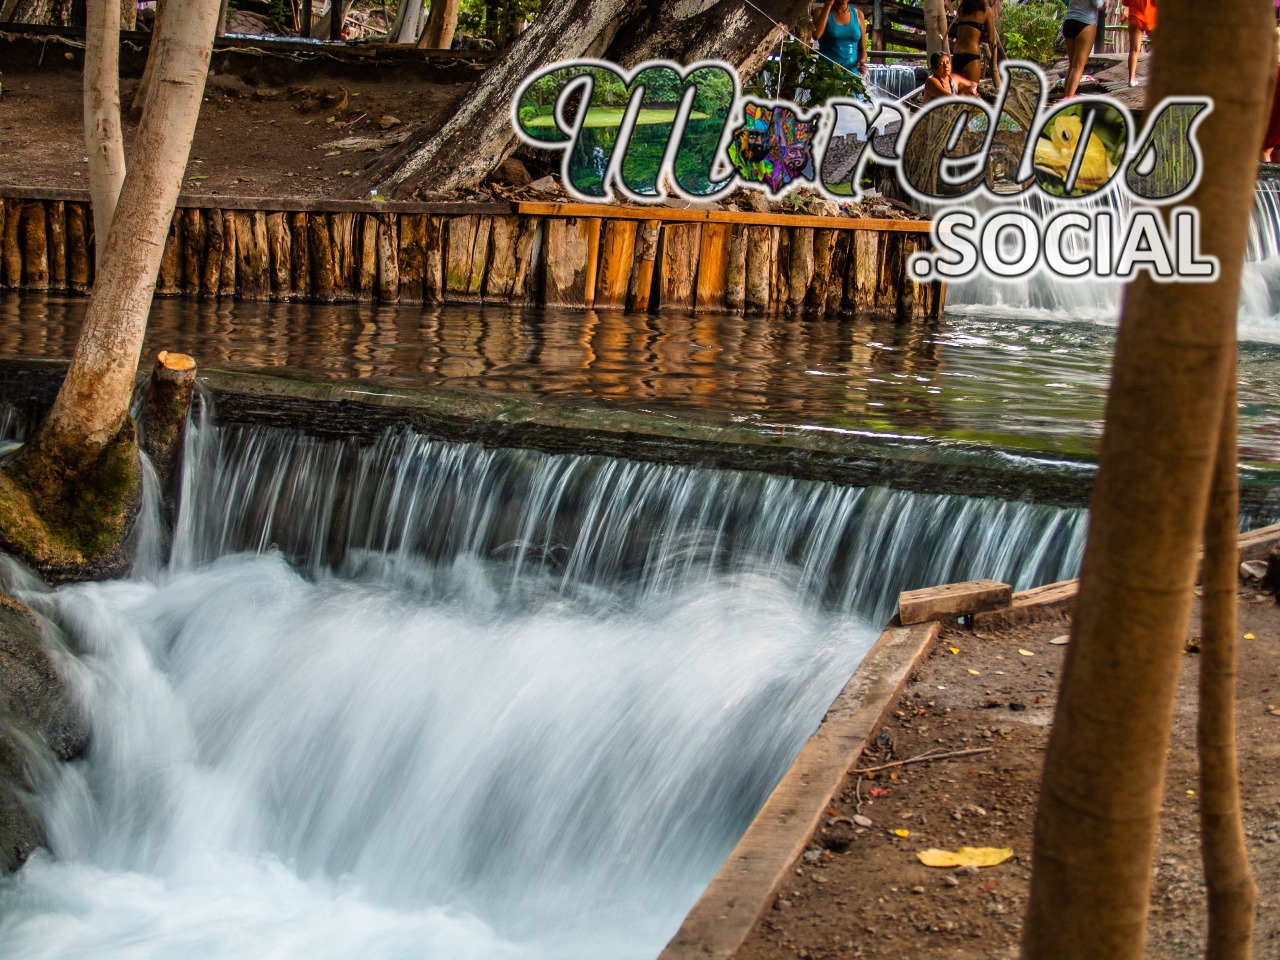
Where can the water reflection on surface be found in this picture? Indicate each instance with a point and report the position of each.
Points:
(1033, 384)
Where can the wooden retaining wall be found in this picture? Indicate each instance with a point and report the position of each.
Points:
(541, 254)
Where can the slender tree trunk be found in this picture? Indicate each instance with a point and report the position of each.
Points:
(140, 94)
(1232, 892)
(338, 18)
(479, 136)
(1104, 769)
(935, 27)
(408, 22)
(442, 23)
(104, 141)
(223, 9)
(128, 14)
(94, 399)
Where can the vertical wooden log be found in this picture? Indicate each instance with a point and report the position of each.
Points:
(299, 254)
(3, 219)
(367, 264)
(735, 293)
(215, 245)
(342, 233)
(800, 269)
(864, 272)
(680, 245)
(280, 255)
(35, 247)
(527, 248)
(824, 245)
(11, 254)
(781, 241)
(500, 277)
(913, 297)
(169, 277)
(323, 283)
(461, 241)
(412, 247)
(565, 261)
(759, 268)
(388, 259)
(227, 274)
(888, 274)
(253, 261)
(938, 300)
(56, 214)
(594, 228)
(840, 256)
(617, 252)
(191, 246)
(433, 260)
(713, 266)
(641, 290)
(79, 256)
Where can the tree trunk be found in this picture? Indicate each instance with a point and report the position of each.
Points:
(128, 15)
(935, 27)
(338, 18)
(408, 22)
(140, 94)
(1232, 893)
(56, 13)
(479, 136)
(442, 23)
(223, 9)
(103, 139)
(94, 399)
(1104, 769)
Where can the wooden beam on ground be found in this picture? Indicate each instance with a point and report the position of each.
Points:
(952, 600)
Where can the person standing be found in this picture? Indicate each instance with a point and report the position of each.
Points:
(1141, 15)
(974, 25)
(842, 35)
(1079, 27)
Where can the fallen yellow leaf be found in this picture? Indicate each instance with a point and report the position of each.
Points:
(973, 671)
(954, 649)
(1025, 653)
(965, 857)
(902, 833)
(1249, 636)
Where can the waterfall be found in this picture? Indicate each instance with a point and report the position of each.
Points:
(1095, 299)
(891, 81)
(420, 699)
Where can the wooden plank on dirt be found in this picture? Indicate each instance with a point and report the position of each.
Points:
(952, 600)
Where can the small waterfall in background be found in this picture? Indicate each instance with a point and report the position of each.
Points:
(419, 699)
(1099, 299)
(891, 81)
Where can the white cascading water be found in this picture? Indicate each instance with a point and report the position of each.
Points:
(1095, 299)
(514, 705)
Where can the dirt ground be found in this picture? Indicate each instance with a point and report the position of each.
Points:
(254, 138)
(874, 899)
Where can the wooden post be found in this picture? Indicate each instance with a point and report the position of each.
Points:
(824, 245)
(617, 252)
(342, 234)
(800, 269)
(840, 259)
(864, 272)
(12, 248)
(35, 247)
(433, 260)
(759, 268)
(79, 254)
(253, 261)
(215, 242)
(412, 247)
(323, 282)
(57, 222)
(462, 238)
(388, 261)
(280, 255)
(642, 276)
(191, 245)
(781, 262)
(299, 255)
(526, 245)
(713, 266)
(565, 260)
(877, 27)
(169, 277)
(227, 273)
(680, 245)
(367, 268)
(593, 261)
(735, 294)
(500, 277)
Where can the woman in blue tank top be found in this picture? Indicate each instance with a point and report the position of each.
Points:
(842, 35)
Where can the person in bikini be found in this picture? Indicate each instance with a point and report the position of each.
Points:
(1141, 15)
(973, 26)
(943, 83)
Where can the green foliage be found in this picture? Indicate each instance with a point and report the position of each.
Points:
(1032, 31)
(807, 79)
(489, 18)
